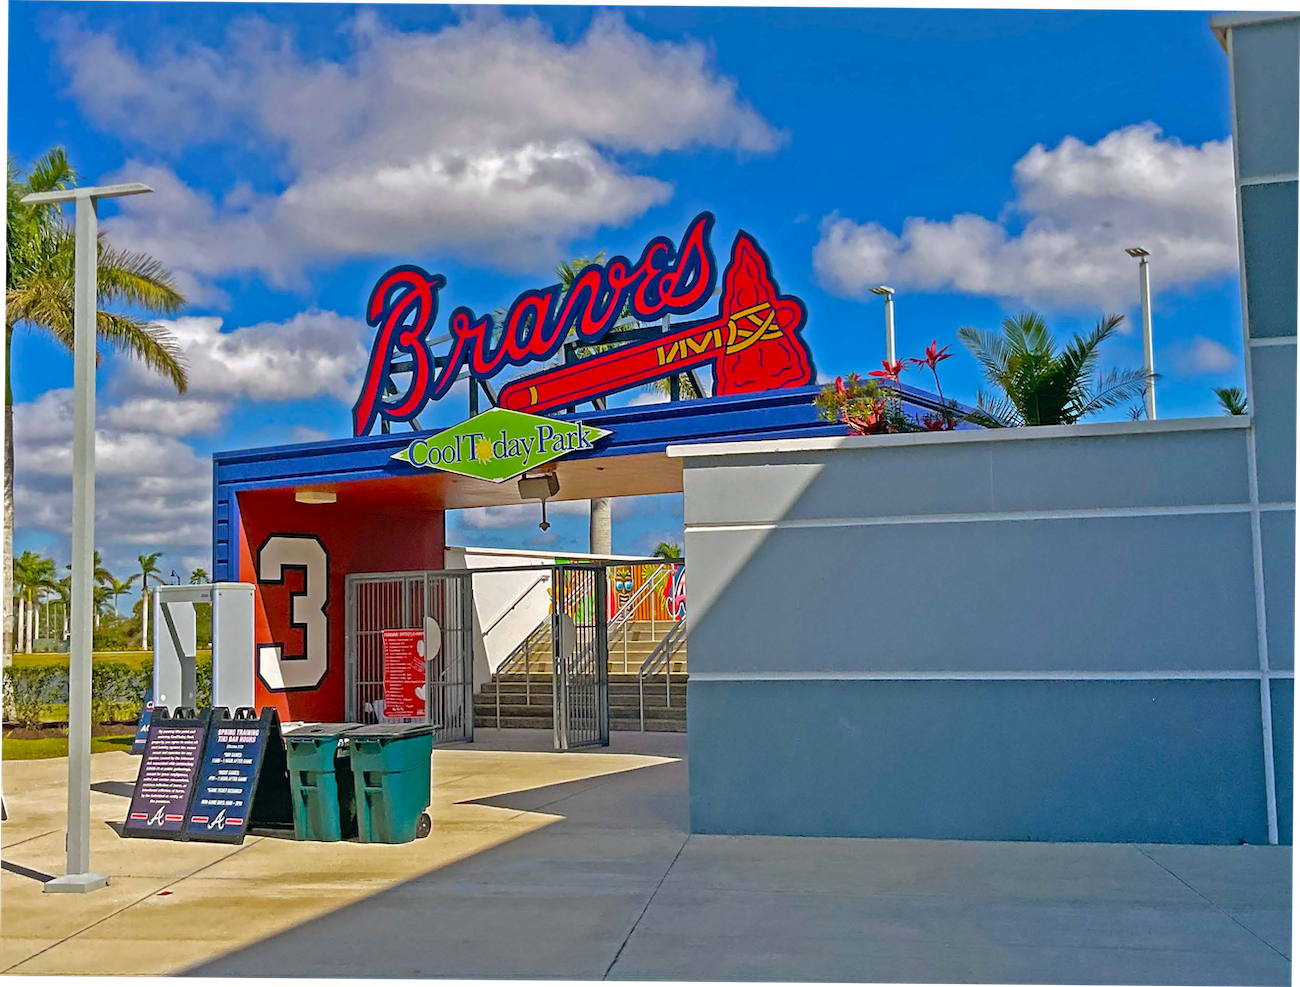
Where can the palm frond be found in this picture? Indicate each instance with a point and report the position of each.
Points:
(1026, 333)
(1232, 400)
(137, 279)
(988, 348)
(148, 342)
(1111, 389)
(992, 412)
(51, 171)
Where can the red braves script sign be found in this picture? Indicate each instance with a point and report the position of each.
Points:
(752, 342)
(404, 679)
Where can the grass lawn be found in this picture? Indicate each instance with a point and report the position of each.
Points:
(27, 750)
(136, 659)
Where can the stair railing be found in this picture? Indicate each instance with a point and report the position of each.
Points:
(621, 622)
(524, 649)
(661, 658)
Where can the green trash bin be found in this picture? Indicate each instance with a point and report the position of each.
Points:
(320, 778)
(391, 769)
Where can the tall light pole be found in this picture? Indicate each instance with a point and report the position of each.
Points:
(1148, 354)
(79, 877)
(888, 292)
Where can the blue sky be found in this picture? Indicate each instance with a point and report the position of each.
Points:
(980, 162)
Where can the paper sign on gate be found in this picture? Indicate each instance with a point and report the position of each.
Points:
(404, 675)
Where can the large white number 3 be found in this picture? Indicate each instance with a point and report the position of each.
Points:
(282, 672)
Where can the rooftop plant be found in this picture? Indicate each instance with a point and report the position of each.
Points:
(1036, 382)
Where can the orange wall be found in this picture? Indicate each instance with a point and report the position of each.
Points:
(354, 541)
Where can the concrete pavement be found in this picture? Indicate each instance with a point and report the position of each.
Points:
(579, 865)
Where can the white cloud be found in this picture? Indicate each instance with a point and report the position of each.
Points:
(313, 353)
(511, 515)
(648, 397)
(305, 433)
(152, 490)
(1204, 356)
(488, 139)
(165, 416)
(1062, 240)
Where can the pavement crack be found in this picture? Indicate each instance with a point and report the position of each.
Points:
(10, 846)
(1214, 904)
(628, 937)
(132, 904)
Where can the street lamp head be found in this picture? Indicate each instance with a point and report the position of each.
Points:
(882, 289)
(85, 192)
(1137, 251)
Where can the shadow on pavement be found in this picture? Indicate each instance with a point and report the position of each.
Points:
(124, 789)
(554, 902)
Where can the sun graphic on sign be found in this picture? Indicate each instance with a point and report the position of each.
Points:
(483, 450)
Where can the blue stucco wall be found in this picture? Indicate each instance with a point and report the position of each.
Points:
(1076, 633)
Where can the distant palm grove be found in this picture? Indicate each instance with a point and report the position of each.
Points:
(42, 604)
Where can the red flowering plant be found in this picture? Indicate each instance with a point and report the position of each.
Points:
(946, 419)
(875, 406)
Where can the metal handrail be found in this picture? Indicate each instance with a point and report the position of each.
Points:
(526, 647)
(623, 617)
(518, 600)
(661, 657)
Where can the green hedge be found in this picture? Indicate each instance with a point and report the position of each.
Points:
(34, 691)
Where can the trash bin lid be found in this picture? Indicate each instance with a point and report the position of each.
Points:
(394, 731)
(322, 730)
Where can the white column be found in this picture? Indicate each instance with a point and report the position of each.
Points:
(602, 526)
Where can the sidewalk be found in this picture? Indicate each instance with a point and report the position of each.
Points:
(579, 865)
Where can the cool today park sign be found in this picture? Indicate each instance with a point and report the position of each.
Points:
(500, 444)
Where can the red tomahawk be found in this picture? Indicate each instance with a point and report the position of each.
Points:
(753, 344)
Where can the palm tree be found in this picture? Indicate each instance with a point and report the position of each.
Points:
(116, 588)
(34, 576)
(1231, 399)
(63, 590)
(668, 550)
(148, 570)
(101, 577)
(198, 577)
(39, 295)
(1039, 383)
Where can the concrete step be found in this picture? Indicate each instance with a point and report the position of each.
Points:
(544, 698)
(545, 723)
(655, 684)
(616, 678)
(510, 714)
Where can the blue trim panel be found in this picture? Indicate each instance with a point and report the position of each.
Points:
(780, 414)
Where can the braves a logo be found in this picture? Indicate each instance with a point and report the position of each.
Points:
(158, 817)
(675, 593)
(218, 821)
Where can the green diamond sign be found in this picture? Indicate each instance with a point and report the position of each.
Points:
(500, 444)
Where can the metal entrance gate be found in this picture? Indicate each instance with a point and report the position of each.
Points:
(440, 603)
(579, 649)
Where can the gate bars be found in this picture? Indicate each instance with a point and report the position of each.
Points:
(385, 601)
(579, 650)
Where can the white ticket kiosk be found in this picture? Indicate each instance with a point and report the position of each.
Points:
(175, 648)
